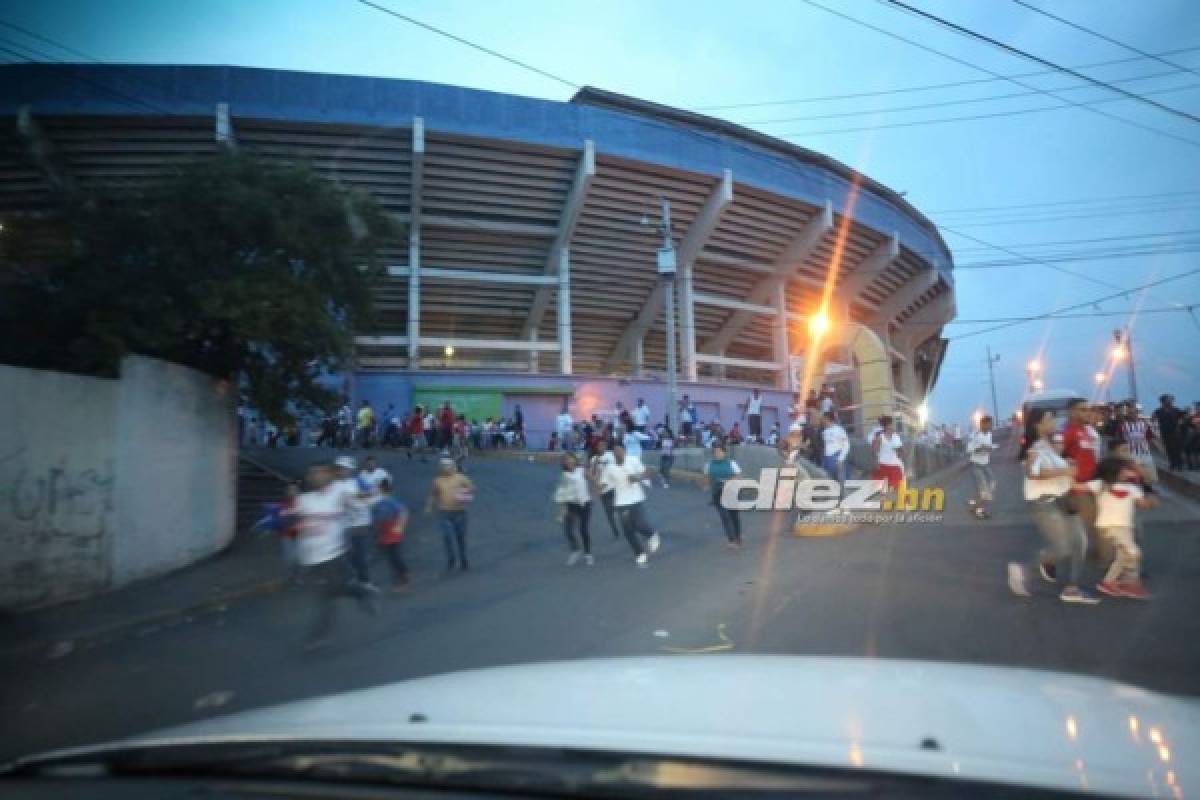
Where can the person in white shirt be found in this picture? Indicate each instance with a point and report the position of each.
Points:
(625, 475)
(641, 416)
(373, 475)
(356, 500)
(1048, 481)
(1117, 495)
(667, 459)
(321, 551)
(597, 467)
(633, 441)
(826, 399)
(773, 436)
(575, 498)
(752, 413)
(836, 446)
(979, 452)
(716, 472)
(566, 429)
(886, 445)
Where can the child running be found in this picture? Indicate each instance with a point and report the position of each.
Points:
(389, 517)
(452, 492)
(717, 471)
(1117, 495)
(575, 498)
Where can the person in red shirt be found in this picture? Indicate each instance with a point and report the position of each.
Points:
(1081, 446)
(416, 430)
(446, 426)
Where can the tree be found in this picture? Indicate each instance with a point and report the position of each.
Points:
(252, 272)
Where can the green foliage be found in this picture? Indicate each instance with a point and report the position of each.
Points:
(244, 270)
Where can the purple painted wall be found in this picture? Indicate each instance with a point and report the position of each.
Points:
(591, 395)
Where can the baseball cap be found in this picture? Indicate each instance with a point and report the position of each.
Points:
(346, 462)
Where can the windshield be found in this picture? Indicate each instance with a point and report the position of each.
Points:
(351, 344)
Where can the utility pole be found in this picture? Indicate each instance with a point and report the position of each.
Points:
(1124, 350)
(992, 360)
(666, 269)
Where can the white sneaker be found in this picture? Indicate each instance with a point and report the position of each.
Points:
(666, 485)
(652, 544)
(642, 560)
(590, 560)
(573, 559)
(1016, 580)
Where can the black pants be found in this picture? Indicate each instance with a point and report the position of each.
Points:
(754, 422)
(394, 553)
(360, 541)
(327, 583)
(731, 520)
(454, 537)
(578, 515)
(635, 525)
(1174, 450)
(606, 501)
(664, 467)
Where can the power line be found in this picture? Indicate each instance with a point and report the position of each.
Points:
(52, 42)
(1097, 256)
(1102, 37)
(1039, 218)
(964, 31)
(984, 70)
(1081, 201)
(471, 44)
(1089, 315)
(932, 86)
(1095, 239)
(963, 101)
(1086, 303)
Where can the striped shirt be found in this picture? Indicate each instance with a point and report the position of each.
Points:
(1136, 434)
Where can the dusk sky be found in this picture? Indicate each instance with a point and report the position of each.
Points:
(1114, 203)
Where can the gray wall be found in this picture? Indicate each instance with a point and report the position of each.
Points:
(103, 482)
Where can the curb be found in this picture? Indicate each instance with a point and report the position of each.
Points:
(1180, 485)
(833, 529)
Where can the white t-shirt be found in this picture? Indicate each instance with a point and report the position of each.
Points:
(889, 450)
(357, 511)
(754, 405)
(321, 536)
(641, 415)
(685, 415)
(564, 423)
(826, 404)
(1042, 457)
(627, 480)
(1115, 504)
(374, 477)
(980, 446)
(600, 465)
(837, 443)
(573, 488)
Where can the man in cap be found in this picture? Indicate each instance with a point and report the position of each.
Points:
(355, 495)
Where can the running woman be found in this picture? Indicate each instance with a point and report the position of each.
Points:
(979, 451)
(600, 461)
(575, 497)
(886, 444)
(626, 474)
(1115, 503)
(451, 493)
(716, 472)
(1048, 481)
(321, 550)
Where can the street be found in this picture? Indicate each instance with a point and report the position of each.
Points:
(919, 591)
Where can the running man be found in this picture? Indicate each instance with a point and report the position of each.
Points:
(979, 450)
(451, 493)
(356, 496)
(716, 472)
(626, 474)
(576, 501)
(597, 467)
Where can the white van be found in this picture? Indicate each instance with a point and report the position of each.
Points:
(1057, 400)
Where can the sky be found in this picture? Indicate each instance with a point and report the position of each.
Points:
(1067, 185)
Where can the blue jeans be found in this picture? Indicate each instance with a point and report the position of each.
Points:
(454, 535)
(1064, 538)
(835, 467)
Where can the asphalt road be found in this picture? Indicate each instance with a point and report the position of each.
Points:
(925, 591)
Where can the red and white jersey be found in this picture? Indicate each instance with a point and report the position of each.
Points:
(1136, 434)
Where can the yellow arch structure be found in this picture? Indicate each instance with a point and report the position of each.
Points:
(872, 365)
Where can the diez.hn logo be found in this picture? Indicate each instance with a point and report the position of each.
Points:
(778, 489)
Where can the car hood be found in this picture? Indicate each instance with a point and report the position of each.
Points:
(1000, 724)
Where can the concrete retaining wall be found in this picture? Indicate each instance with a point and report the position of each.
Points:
(103, 482)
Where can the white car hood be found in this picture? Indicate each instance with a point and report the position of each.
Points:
(998, 724)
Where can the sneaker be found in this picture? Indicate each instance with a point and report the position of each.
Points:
(1110, 588)
(589, 560)
(1049, 572)
(1073, 594)
(573, 559)
(1134, 590)
(1016, 580)
(653, 543)
(666, 485)
(979, 513)
(642, 560)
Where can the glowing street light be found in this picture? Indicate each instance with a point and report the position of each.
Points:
(923, 414)
(1035, 366)
(449, 351)
(1038, 384)
(818, 324)
(1100, 377)
(1118, 353)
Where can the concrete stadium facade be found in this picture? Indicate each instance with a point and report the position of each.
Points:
(527, 274)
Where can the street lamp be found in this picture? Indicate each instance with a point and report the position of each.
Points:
(923, 414)
(1035, 366)
(666, 264)
(818, 324)
(1099, 378)
(1038, 384)
(1031, 371)
(1118, 353)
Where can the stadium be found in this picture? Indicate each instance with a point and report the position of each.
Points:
(530, 273)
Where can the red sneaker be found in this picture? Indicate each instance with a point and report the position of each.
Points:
(1134, 590)
(1110, 588)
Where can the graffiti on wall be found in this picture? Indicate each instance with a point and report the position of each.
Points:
(55, 520)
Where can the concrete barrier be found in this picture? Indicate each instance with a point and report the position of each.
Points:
(103, 482)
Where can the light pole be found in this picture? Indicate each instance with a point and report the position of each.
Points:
(666, 270)
(1032, 371)
(992, 360)
(1123, 351)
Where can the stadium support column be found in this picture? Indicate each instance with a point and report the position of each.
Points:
(564, 311)
(533, 353)
(639, 358)
(414, 245)
(687, 321)
(783, 352)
